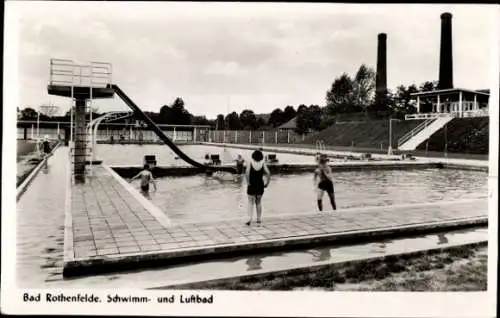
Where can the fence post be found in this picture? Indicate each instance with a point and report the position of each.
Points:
(236, 137)
(250, 138)
(263, 137)
(276, 137)
(288, 136)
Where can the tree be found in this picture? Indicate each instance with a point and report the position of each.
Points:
(308, 118)
(276, 118)
(165, 115)
(340, 98)
(179, 115)
(316, 116)
(233, 121)
(29, 113)
(403, 103)
(426, 102)
(261, 123)
(200, 120)
(248, 119)
(364, 87)
(219, 122)
(301, 109)
(289, 113)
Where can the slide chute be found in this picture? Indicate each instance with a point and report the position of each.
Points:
(141, 115)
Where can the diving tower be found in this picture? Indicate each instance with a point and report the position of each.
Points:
(83, 83)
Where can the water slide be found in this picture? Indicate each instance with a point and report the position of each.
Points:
(141, 115)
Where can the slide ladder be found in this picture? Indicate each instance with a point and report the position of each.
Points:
(142, 116)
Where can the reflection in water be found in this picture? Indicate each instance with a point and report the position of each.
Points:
(442, 239)
(321, 254)
(254, 263)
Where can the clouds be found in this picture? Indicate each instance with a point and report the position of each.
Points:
(262, 55)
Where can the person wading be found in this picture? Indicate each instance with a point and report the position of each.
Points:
(323, 182)
(255, 171)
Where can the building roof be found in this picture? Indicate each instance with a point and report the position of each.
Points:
(452, 90)
(291, 124)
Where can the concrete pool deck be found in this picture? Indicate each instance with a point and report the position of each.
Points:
(111, 227)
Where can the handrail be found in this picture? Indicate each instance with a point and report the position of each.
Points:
(139, 113)
(414, 131)
(67, 72)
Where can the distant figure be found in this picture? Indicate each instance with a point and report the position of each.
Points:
(255, 171)
(318, 155)
(208, 162)
(240, 165)
(323, 182)
(46, 149)
(146, 178)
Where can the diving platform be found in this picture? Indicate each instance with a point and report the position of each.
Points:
(80, 92)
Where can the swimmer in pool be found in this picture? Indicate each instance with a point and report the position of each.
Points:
(323, 182)
(146, 178)
(207, 162)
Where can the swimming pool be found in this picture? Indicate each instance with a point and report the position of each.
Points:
(40, 212)
(196, 199)
(133, 154)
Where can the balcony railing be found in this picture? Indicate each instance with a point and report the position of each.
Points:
(426, 116)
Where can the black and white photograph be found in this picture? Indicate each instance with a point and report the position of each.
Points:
(212, 158)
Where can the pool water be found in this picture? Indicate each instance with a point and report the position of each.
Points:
(133, 154)
(196, 199)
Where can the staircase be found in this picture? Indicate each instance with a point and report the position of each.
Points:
(422, 132)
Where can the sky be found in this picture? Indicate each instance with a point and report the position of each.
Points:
(223, 57)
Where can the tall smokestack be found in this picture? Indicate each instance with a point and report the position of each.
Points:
(446, 55)
(381, 76)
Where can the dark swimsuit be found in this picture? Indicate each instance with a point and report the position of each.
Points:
(325, 184)
(46, 147)
(256, 181)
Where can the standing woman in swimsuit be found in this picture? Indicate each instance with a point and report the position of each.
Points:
(323, 182)
(255, 172)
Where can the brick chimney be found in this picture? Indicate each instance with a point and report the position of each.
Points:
(446, 53)
(381, 76)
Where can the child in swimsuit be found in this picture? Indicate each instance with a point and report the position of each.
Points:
(323, 182)
(146, 178)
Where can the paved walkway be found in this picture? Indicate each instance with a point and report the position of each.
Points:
(306, 151)
(109, 222)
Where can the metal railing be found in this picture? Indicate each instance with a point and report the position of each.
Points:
(459, 114)
(93, 126)
(68, 73)
(426, 116)
(320, 146)
(414, 131)
(65, 72)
